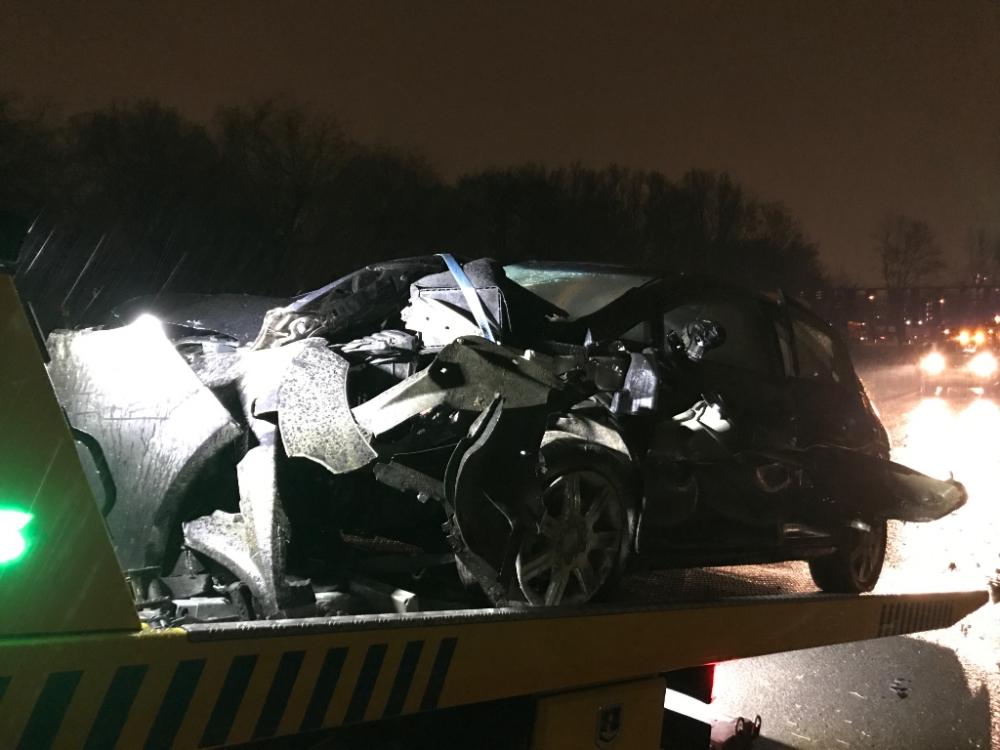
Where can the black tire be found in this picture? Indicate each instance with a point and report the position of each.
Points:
(583, 542)
(856, 565)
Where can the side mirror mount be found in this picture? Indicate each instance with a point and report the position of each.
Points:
(13, 230)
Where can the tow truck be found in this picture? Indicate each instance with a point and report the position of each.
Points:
(79, 670)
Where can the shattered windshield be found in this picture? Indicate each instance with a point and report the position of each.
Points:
(576, 289)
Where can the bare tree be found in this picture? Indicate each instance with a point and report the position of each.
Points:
(983, 256)
(28, 158)
(908, 255)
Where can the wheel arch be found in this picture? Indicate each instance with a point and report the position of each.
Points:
(587, 430)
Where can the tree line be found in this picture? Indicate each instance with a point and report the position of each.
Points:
(134, 199)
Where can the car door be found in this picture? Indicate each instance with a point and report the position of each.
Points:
(701, 502)
(830, 404)
(747, 371)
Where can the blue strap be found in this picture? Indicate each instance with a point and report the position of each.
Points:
(471, 297)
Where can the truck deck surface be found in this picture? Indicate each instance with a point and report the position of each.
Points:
(641, 592)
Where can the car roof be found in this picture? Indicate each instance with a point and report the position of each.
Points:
(633, 291)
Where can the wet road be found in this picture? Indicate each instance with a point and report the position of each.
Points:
(939, 690)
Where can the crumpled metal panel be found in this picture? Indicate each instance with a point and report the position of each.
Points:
(156, 421)
(495, 495)
(252, 544)
(875, 487)
(314, 417)
(466, 375)
(642, 385)
(260, 376)
(217, 369)
(236, 315)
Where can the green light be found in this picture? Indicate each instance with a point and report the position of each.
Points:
(12, 544)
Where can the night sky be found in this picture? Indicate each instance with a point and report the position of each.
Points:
(844, 111)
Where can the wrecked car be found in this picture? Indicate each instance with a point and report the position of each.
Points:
(427, 433)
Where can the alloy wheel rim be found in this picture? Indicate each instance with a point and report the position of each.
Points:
(865, 555)
(577, 542)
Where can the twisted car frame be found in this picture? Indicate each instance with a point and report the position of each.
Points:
(425, 433)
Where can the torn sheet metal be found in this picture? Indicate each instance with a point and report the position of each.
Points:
(492, 487)
(157, 424)
(465, 376)
(351, 306)
(252, 544)
(642, 385)
(313, 414)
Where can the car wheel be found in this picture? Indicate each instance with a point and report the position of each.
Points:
(856, 565)
(583, 539)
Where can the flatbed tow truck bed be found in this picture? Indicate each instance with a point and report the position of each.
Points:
(78, 669)
(208, 685)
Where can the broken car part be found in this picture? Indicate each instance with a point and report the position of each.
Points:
(313, 414)
(252, 544)
(159, 429)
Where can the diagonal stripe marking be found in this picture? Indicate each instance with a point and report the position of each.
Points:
(404, 677)
(175, 704)
(50, 708)
(439, 673)
(277, 696)
(326, 683)
(228, 703)
(115, 707)
(365, 685)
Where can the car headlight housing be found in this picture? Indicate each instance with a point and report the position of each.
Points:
(933, 363)
(983, 364)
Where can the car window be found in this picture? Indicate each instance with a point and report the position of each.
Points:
(640, 334)
(744, 346)
(818, 354)
(578, 292)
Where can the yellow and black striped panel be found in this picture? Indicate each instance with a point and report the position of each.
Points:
(215, 694)
(900, 618)
(211, 686)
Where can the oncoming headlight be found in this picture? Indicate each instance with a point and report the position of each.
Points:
(932, 364)
(983, 365)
